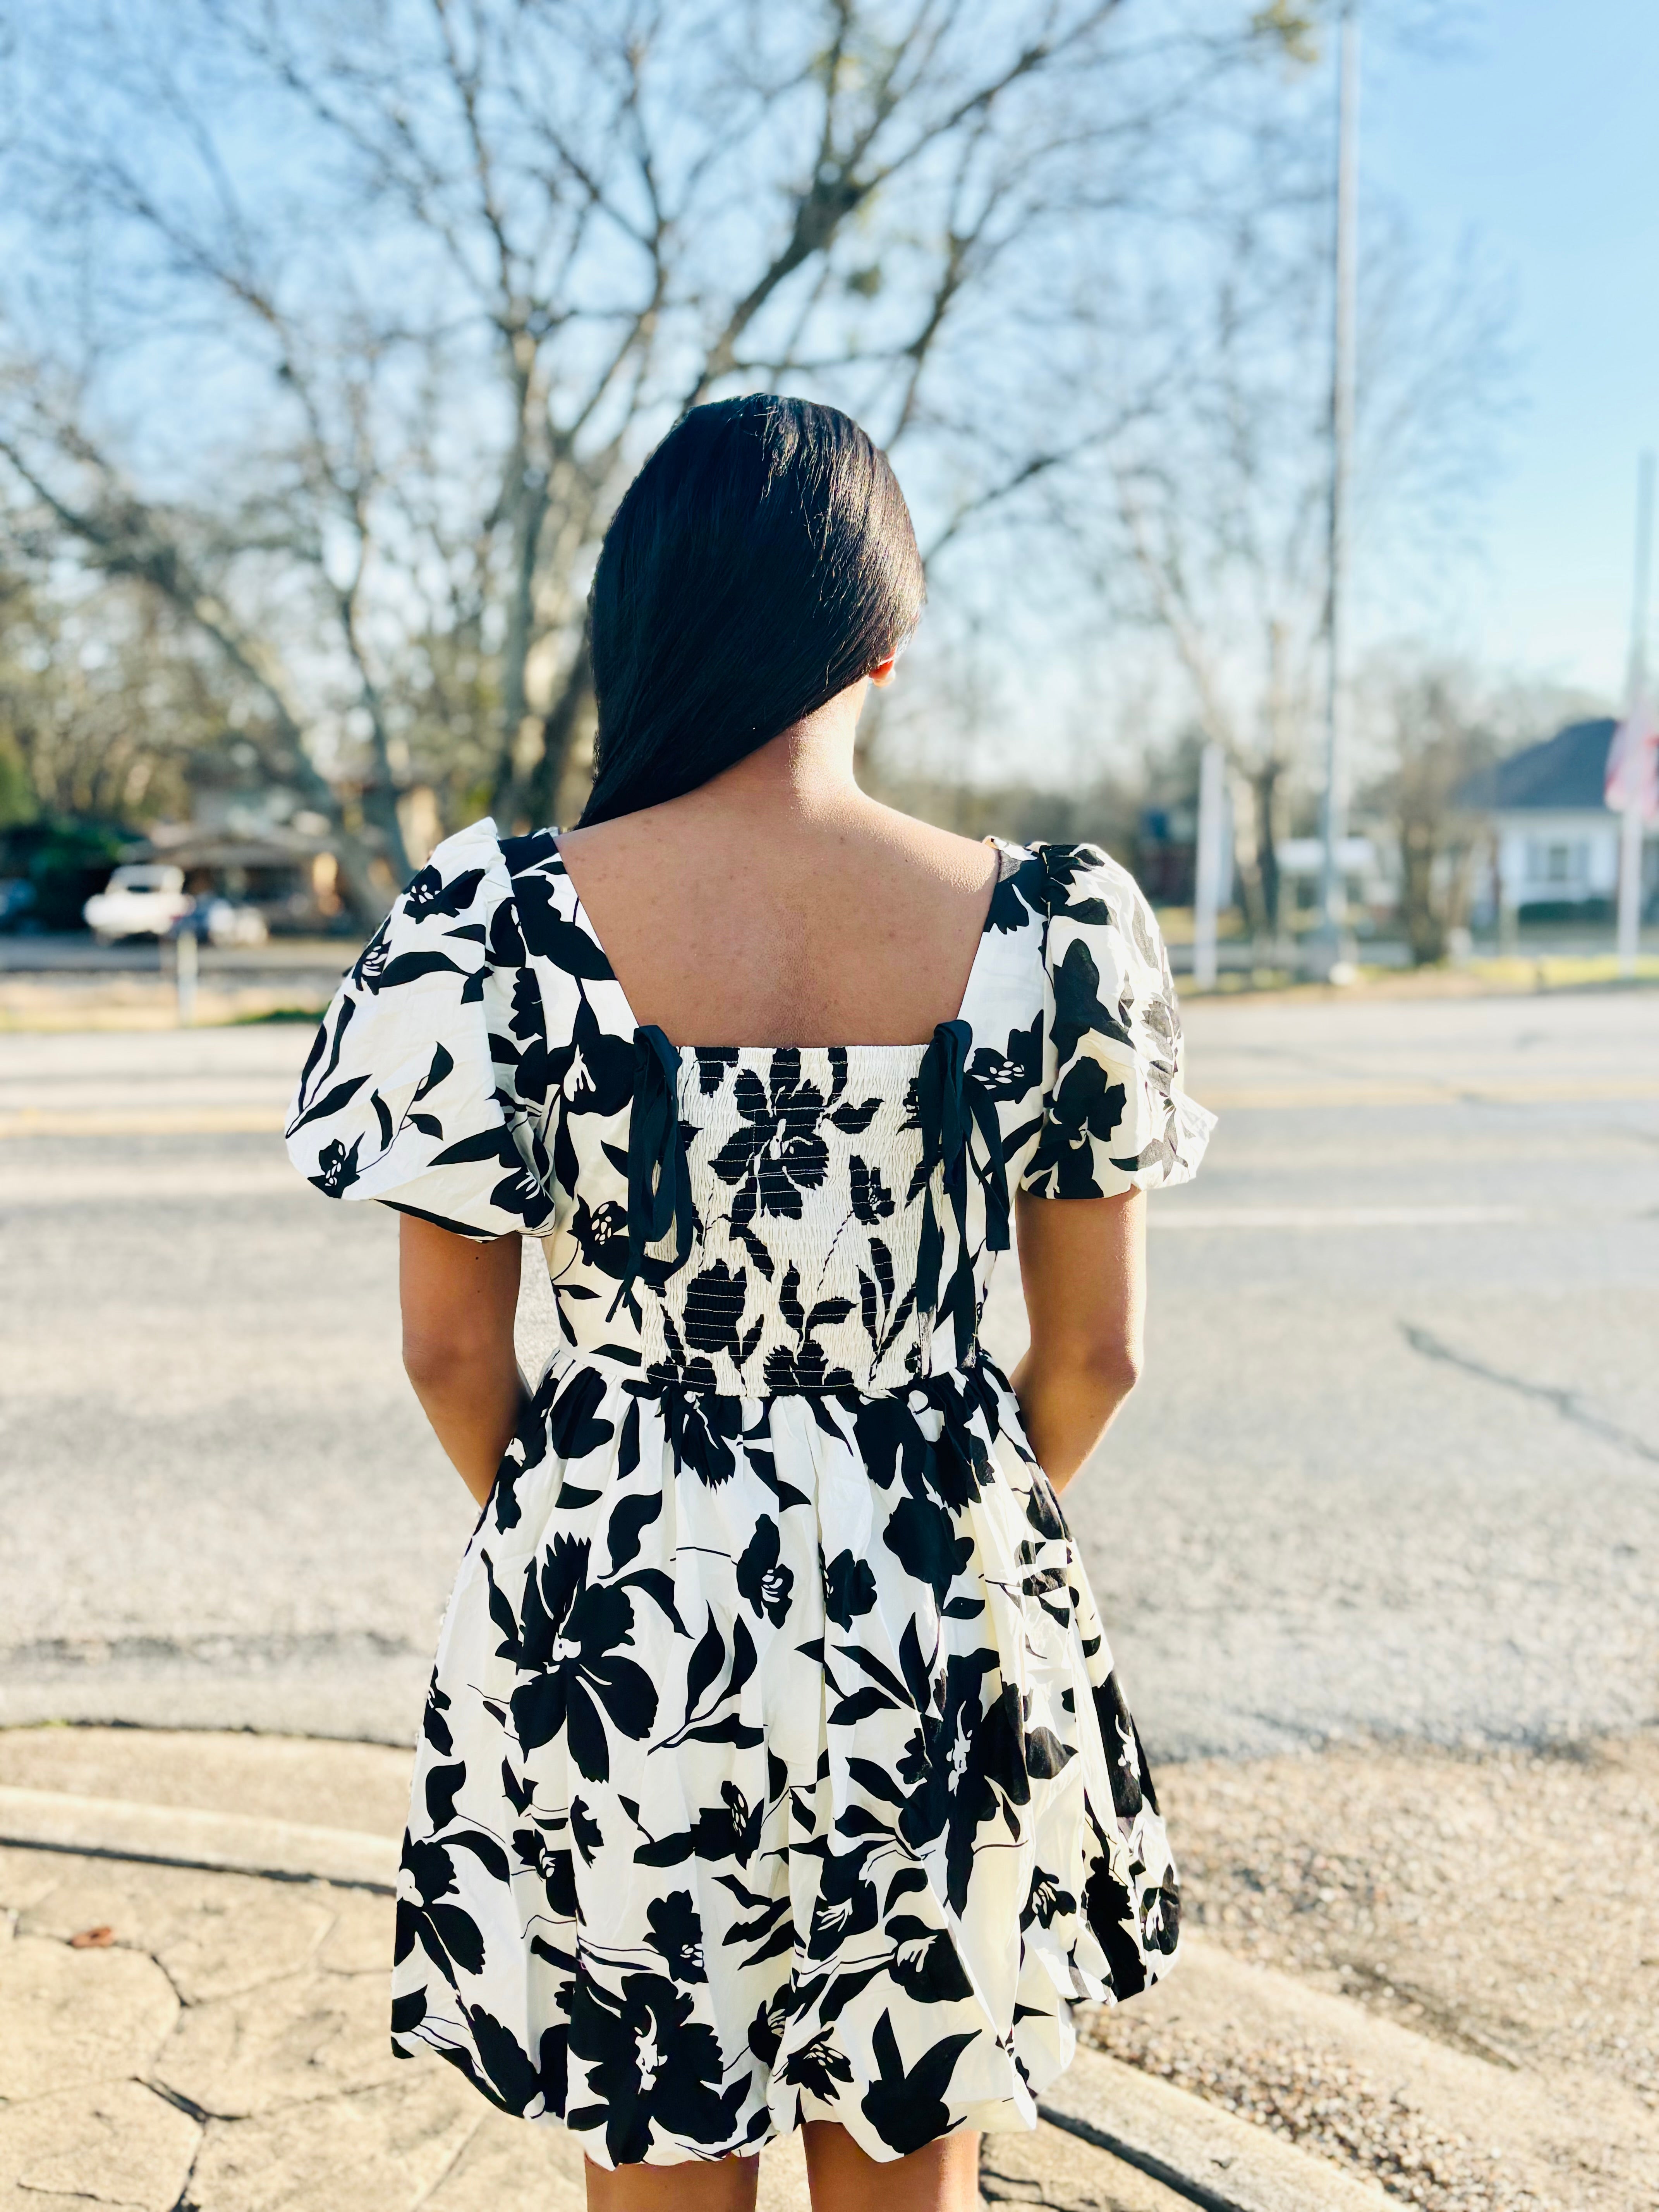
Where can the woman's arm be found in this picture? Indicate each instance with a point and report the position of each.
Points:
(1083, 1262)
(459, 1302)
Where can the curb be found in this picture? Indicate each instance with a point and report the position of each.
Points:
(1204, 2156)
(1193, 2148)
(213, 1843)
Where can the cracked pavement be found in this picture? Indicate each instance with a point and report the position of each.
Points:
(1390, 1468)
(227, 2052)
(178, 2040)
(223, 2049)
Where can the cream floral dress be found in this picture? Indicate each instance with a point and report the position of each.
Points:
(773, 1765)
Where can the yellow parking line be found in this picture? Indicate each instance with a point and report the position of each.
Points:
(142, 1121)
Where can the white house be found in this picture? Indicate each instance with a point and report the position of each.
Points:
(1555, 843)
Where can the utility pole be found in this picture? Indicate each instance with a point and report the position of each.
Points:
(1637, 710)
(1330, 940)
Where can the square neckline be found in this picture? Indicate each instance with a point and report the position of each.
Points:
(1010, 857)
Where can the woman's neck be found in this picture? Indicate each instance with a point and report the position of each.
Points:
(806, 771)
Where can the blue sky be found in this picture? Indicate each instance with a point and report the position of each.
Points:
(1537, 133)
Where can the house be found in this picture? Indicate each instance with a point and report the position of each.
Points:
(1555, 842)
(250, 839)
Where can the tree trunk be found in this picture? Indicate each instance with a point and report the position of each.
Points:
(537, 796)
(529, 513)
(1425, 929)
(1246, 855)
(1264, 786)
(380, 812)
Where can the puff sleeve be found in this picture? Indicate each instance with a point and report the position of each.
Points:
(1115, 1115)
(402, 1098)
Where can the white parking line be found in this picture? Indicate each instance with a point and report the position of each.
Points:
(1468, 1090)
(140, 1122)
(1333, 1216)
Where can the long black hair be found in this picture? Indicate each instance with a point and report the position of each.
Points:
(761, 562)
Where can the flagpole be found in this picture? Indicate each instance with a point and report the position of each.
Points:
(1330, 948)
(1636, 684)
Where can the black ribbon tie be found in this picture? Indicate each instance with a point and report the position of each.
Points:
(952, 1104)
(659, 1190)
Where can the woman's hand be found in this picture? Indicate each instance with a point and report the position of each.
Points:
(459, 1302)
(1083, 1263)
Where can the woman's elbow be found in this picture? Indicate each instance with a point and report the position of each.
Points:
(1119, 1366)
(1109, 1368)
(1100, 1369)
(436, 1362)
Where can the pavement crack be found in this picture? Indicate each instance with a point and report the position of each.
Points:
(164, 1970)
(438, 2180)
(78, 2196)
(180, 2103)
(1568, 1404)
(998, 2189)
(184, 2202)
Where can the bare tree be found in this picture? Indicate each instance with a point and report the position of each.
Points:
(339, 329)
(103, 699)
(1428, 719)
(1214, 529)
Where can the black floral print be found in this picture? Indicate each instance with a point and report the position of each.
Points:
(763, 1582)
(730, 1810)
(566, 1643)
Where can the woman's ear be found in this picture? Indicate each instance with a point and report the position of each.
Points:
(884, 671)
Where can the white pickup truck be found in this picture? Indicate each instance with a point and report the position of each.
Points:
(148, 899)
(138, 902)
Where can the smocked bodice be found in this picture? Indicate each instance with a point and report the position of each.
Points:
(836, 1202)
(749, 1221)
(807, 1173)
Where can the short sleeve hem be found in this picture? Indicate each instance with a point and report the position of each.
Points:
(401, 1100)
(1115, 1115)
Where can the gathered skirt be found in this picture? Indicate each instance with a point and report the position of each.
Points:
(774, 1768)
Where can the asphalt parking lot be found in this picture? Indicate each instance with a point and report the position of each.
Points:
(1394, 1466)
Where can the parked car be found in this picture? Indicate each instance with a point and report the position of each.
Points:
(52, 866)
(226, 922)
(147, 900)
(17, 902)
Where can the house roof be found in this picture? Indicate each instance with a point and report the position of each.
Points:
(1566, 770)
(190, 845)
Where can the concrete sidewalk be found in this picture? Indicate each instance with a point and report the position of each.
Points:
(194, 1931)
(194, 1938)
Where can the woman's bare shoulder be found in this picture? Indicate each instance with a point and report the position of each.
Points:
(949, 858)
(655, 835)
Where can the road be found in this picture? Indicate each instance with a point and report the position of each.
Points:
(1394, 1465)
